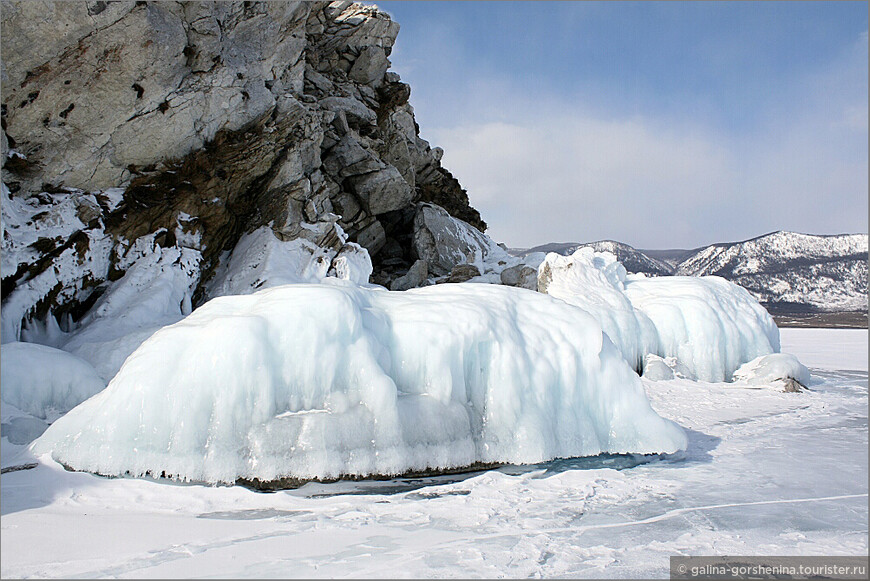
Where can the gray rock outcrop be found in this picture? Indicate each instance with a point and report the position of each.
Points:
(462, 273)
(189, 125)
(415, 277)
(444, 241)
(521, 275)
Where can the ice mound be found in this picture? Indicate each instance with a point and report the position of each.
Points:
(712, 326)
(775, 369)
(43, 381)
(594, 281)
(318, 381)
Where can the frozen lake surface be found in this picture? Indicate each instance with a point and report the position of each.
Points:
(765, 473)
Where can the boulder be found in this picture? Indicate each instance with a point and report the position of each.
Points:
(521, 275)
(349, 158)
(415, 277)
(355, 111)
(382, 191)
(462, 273)
(444, 241)
(370, 66)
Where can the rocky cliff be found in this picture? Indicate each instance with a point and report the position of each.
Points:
(202, 148)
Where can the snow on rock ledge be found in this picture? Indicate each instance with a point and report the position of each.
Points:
(318, 381)
(260, 260)
(445, 242)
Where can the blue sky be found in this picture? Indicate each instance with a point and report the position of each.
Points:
(660, 124)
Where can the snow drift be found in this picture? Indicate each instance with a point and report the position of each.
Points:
(319, 381)
(709, 325)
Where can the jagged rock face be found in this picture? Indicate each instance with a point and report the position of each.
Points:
(214, 120)
(445, 242)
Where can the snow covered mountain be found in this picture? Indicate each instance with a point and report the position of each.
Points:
(788, 272)
(791, 271)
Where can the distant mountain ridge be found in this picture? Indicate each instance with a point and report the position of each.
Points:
(788, 272)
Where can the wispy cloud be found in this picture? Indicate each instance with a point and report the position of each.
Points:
(658, 124)
(541, 168)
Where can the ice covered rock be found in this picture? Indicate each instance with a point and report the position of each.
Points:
(656, 368)
(781, 369)
(49, 255)
(261, 260)
(594, 281)
(319, 381)
(352, 263)
(156, 290)
(711, 325)
(45, 382)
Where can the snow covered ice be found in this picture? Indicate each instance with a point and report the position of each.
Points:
(595, 282)
(318, 381)
(314, 380)
(765, 473)
(333, 378)
(40, 384)
(711, 325)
